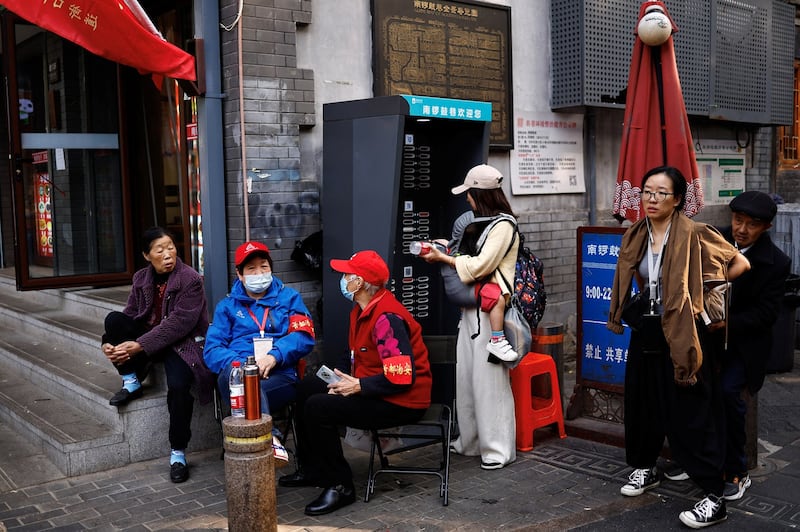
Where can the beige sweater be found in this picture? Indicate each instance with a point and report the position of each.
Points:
(492, 257)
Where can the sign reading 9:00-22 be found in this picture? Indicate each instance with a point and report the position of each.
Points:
(602, 353)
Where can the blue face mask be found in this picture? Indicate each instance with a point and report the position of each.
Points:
(258, 283)
(343, 288)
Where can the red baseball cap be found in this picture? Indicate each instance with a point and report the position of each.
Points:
(246, 250)
(366, 264)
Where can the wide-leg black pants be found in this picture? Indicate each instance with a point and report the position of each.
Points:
(690, 417)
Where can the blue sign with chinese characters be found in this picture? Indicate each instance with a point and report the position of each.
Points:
(602, 354)
(432, 107)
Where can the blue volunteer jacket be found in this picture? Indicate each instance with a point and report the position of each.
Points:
(230, 335)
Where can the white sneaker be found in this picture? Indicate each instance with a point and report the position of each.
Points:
(676, 474)
(707, 512)
(279, 452)
(735, 490)
(640, 481)
(490, 466)
(502, 350)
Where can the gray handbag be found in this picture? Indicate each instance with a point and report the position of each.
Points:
(516, 328)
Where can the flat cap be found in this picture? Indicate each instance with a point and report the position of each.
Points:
(756, 204)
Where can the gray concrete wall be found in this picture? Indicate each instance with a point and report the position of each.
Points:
(301, 55)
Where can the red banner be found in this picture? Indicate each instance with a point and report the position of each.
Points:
(109, 29)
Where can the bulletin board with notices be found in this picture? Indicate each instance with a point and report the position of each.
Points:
(721, 164)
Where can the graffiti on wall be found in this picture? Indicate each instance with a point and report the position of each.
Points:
(280, 223)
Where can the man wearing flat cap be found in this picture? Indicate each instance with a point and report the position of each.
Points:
(756, 299)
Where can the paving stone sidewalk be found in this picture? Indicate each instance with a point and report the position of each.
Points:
(560, 485)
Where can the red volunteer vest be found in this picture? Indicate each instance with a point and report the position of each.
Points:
(367, 361)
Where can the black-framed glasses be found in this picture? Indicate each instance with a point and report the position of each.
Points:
(658, 195)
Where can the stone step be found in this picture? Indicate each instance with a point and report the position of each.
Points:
(82, 381)
(73, 439)
(55, 384)
(51, 325)
(90, 303)
(22, 465)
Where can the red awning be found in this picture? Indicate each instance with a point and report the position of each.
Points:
(109, 29)
(647, 140)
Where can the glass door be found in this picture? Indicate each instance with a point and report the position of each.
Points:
(69, 188)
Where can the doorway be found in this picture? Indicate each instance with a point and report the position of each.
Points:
(97, 153)
(67, 185)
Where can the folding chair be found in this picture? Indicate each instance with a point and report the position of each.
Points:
(436, 426)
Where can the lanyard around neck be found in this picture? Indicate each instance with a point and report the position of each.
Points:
(654, 266)
(263, 324)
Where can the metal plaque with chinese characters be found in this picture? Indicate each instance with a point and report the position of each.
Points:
(459, 50)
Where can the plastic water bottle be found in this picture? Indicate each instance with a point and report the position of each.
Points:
(236, 384)
(422, 247)
(419, 247)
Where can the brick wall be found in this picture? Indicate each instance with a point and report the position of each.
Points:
(758, 175)
(552, 237)
(278, 101)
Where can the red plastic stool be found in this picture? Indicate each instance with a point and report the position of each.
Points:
(534, 406)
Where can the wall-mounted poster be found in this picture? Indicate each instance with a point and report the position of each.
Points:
(548, 154)
(459, 50)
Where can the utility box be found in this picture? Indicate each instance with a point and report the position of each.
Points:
(388, 166)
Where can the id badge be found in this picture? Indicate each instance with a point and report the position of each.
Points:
(262, 346)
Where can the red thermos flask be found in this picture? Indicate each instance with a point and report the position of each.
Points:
(252, 389)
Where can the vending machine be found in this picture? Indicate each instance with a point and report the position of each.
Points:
(389, 164)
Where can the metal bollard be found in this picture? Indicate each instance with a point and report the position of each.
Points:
(249, 474)
(548, 338)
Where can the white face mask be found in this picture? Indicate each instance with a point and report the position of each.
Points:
(257, 283)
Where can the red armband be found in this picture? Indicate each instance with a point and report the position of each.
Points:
(301, 323)
(398, 369)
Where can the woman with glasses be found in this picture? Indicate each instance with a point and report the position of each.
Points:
(671, 382)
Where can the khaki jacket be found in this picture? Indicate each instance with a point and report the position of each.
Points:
(694, 252)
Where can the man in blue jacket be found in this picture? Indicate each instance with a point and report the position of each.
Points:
(756, 299)
(262, 317)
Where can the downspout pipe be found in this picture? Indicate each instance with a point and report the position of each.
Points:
(211, 153)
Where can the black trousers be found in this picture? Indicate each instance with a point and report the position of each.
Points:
(692, 418)
(319, 416)
(180, 402)
(734, 383)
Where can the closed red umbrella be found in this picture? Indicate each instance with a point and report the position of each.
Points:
(656, 129)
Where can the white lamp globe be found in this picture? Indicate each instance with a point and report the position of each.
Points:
(654, 28)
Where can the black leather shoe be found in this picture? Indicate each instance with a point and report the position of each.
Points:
(298, 479)
(178, 472)
(331, 499)
(123, 396)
